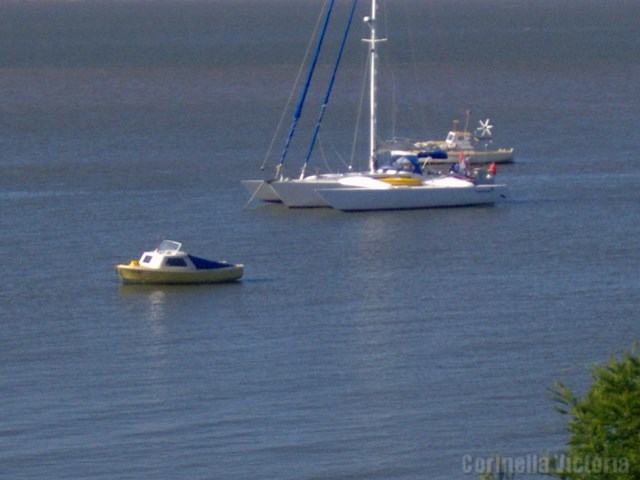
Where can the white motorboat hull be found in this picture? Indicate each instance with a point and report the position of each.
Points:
(403, 198)
(474, 157)
(135, 274)
(477, 157)
(261, 190)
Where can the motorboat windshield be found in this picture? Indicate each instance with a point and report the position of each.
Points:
(169, 246)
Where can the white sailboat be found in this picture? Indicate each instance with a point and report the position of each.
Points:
(303, 192)
(382, 189)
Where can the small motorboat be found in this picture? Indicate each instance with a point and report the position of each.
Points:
(475, 146)
(168, 264)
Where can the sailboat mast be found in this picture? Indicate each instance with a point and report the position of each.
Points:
(373, 149)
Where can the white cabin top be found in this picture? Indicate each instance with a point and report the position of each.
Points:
(459, 140)
(167, 254)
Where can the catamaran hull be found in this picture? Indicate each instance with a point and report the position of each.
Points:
(261, 190)
(296, 193)
(131, 275)
(303, 194)
(403, 198)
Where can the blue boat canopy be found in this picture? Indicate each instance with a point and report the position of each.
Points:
(402, 163)
(435, 154)
(204, 264)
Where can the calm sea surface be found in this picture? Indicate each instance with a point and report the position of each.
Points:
(388, 345)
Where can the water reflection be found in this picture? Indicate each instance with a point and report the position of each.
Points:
(156, 305)
(155, 300)
(148, 304)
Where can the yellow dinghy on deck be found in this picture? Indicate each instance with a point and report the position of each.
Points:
(401, 181)
(168, 265)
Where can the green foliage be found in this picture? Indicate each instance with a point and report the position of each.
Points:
(605, 424)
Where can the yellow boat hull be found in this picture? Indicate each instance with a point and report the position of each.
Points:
(135, 274)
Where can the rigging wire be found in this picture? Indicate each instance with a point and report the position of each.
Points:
(363, 90)
(303, 96)
(329, 88)
(392, 74)
(295, 86)
(418, 114)
(414, 62)
(323, 154)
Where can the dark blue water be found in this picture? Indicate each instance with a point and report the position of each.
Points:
(366, 346)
